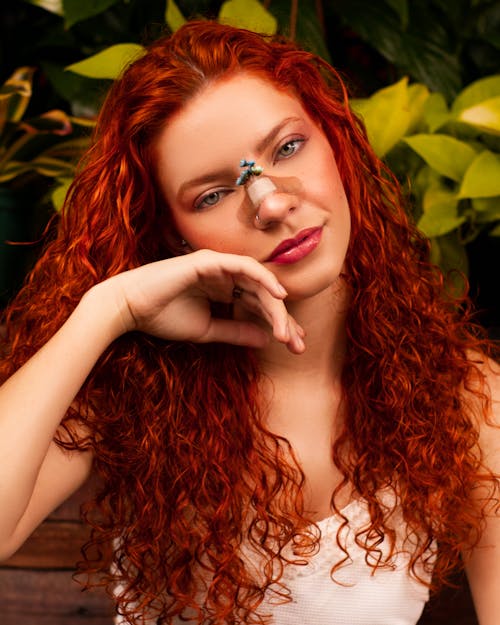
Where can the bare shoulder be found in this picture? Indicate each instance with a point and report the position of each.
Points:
(483, 393)
(483, 563)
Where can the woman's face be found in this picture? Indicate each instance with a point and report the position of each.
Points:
(198, 155)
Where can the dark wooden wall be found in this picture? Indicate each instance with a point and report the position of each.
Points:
(36, 585)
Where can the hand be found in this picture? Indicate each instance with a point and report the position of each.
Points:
(171, 299)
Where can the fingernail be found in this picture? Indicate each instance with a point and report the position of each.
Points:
(300, 344)
(282, 290)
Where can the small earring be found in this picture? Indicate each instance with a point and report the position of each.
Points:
(184, 242)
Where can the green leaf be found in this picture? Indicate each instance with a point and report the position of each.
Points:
(173, 16)
(85, 94)
(439, 222)
(109, 63)
(53, 6)
(58, 195)
(440, 212)
(401, 8)
(309, 29)
(77, 11)
(482, 178)
(487, 209)
(436, 112)
(249, 14)
(485, 116)
(476, 93)
(417, 51)
(418, 95)
(386, 115)
(447, 155)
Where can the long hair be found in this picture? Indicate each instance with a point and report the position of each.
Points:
(189, 472)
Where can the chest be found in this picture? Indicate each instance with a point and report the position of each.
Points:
(310, 422)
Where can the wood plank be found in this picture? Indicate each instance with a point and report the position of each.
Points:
(53, 545)
(52, 598)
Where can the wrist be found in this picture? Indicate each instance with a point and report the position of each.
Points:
(102, 306)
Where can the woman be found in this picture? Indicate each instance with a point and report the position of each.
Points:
(239, 330)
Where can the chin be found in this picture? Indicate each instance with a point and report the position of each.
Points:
(304, 289)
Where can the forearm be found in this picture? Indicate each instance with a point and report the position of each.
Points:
(35, 399)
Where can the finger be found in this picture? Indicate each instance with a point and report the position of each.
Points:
(296, 343)
(246, 267)
(235, 332)
(273, 311)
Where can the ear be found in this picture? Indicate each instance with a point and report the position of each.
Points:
(179, 246)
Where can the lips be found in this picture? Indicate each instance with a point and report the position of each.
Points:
(291, 250)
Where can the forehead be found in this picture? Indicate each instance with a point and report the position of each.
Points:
(224, 121)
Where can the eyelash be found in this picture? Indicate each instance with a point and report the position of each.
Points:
(295, 141)
(200, 204)
(221, 193)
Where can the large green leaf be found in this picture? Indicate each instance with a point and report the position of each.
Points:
(447, 155)
(401, 8)
(249, 14)
(440, 216)
(441, 220)
(482, 178)
(85, 94)
(417, 50)
(173, 16)
(77, 11)
(436, 112)
(386, 115)
(484, 116)
(109, 63)
(476, 93)
(309, 32)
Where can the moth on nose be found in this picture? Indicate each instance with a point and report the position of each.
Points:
(258, 187)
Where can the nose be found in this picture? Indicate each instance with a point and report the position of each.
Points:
(271, 203)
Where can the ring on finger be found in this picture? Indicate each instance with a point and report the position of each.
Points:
(237, 292)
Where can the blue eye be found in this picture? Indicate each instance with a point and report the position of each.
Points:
(210, 199)
(289, 148)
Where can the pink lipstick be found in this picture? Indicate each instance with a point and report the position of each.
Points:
(292, 250)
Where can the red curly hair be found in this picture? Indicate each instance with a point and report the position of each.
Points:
(189, 471)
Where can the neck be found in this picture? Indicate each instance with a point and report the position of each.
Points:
(323, 318)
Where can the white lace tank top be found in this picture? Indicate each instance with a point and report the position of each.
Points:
(359, 596)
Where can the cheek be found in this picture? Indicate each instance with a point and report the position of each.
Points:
(214, 233)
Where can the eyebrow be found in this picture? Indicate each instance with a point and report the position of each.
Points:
(273, 133)
(215, 176)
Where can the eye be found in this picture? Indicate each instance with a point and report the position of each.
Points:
(210, 199)
(289, 148)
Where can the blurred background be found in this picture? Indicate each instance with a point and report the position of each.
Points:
(425, 77)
